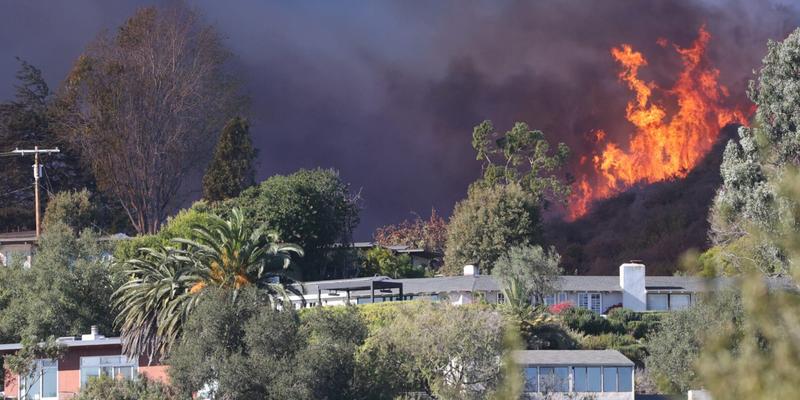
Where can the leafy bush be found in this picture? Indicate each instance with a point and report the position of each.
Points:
(548, 337)
(589, 322)
(177, 226)
(606, 341)
(622, 315)
(107, 388)
(625, 344)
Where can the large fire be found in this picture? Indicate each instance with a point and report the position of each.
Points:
(661, 147)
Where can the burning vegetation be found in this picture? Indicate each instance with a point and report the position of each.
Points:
(668, 141)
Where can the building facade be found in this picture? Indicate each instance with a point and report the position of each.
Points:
(85, 357)
(576, 374)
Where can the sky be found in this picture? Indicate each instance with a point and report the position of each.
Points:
(387, 92)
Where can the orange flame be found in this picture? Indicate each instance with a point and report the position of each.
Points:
(660, 148)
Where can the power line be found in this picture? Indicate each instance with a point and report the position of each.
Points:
(16, 191)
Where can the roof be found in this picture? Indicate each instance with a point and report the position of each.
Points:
(571, 357)
(18, 237)
(567, 283)
(69, 342)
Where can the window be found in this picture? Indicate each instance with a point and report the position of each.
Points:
(113, 366)
(587, 379)
(562, 297)
(553, 380)
(609, 379)
(531, 379)
(657, 302)
(591, 301)
(550, 299)
(625, 375)
(42, 383)
(501, 298)
(679, 301)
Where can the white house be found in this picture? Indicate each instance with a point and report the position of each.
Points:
(632, 289)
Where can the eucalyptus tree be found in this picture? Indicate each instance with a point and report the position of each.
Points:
(167, 282)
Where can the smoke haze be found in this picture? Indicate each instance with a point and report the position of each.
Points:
(388, 92)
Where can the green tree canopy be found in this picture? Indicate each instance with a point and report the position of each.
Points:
(245, 349)
(747, 205)
(26, 122)
(166, 283)
(312, 208)
(379, 261)
(674, 349)
(521, 156)
(526, 273)
(65, 291)
(231, 168)
(489, 221)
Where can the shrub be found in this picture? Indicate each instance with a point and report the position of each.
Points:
(612, 308)
(547, 337)
(625, 344)
(106, 388)
(589, 322)
(561, 307)
(622, 315)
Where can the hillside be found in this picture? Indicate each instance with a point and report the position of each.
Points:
(654, 223)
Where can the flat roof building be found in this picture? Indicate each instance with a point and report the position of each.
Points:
(595, 374)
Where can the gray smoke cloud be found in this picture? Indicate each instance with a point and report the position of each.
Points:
(388, 92)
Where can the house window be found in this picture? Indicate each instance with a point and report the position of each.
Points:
(624, 379)
(587, 379)
(550, 299)
(113, 366)
(553, 380)
(531, 379)
(609, 379)
(501, 298)
(657, 302)
(562, 297)
(679, 301)
(42, 383)
(591, 301)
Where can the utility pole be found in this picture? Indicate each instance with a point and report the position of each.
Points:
(37, 172)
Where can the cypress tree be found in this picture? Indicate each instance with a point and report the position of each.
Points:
(231, 169)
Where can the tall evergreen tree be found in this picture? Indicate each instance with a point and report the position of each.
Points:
(24, 123)
(231, 169)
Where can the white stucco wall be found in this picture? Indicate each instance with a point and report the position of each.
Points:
(632, 282)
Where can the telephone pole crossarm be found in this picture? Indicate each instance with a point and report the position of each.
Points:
(37, 173)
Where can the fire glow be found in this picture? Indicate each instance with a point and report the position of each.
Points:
(661, 147)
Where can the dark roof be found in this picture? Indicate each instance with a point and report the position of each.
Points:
(571, 357)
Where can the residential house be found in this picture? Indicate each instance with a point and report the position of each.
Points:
(85, 357)
(576, 374)
(632, 289)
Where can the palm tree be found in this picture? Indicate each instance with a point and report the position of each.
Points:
(167, 282)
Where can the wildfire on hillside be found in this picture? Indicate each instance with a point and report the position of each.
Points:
(662, 146)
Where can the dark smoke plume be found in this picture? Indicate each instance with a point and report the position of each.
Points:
(388, 92)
